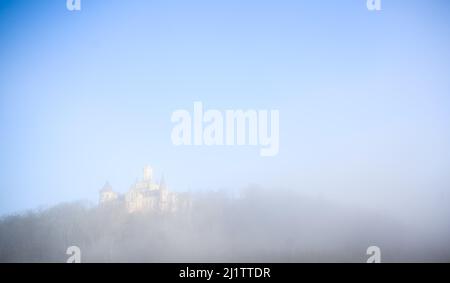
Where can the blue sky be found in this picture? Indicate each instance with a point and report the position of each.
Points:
(85, 97)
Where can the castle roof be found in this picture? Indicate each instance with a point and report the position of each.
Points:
(106, 188)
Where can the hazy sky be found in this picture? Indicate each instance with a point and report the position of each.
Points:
(85, 97)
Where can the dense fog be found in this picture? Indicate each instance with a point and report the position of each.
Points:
(260, 225)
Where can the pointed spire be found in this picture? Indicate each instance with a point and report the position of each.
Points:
(148, 173)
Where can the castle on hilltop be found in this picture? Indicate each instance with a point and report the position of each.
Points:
(145, 195)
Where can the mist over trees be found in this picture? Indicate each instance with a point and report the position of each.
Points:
(258, 226)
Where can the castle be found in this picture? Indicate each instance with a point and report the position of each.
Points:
(145, 195)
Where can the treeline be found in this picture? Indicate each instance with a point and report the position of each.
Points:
(259, 226)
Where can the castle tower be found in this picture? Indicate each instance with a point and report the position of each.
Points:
(148, 173)
(162, 184)
(107, 194)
